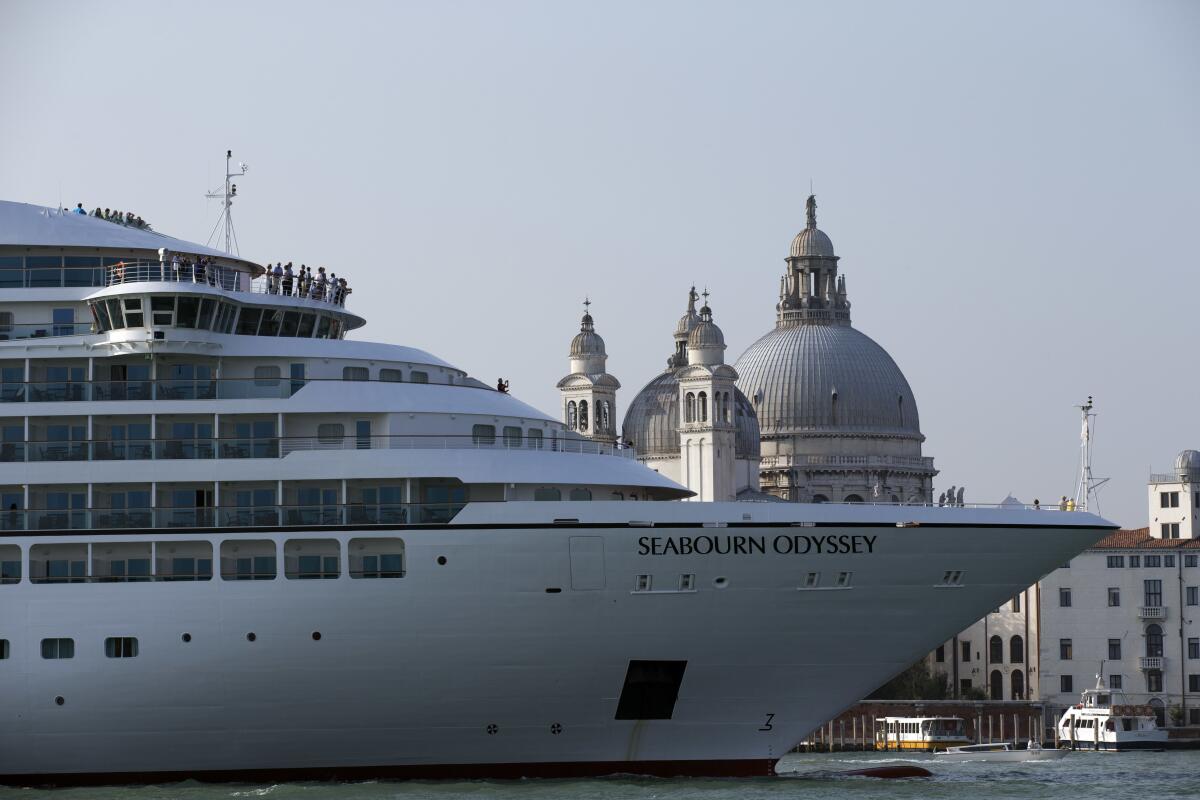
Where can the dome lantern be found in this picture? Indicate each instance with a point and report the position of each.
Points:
(811, 290)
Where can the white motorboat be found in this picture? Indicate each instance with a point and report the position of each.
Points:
(1100, 722)
(1001, 752)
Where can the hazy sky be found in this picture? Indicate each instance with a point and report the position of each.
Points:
(1012, 187)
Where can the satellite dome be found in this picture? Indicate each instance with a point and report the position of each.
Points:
(1187, 463)
(652, 420)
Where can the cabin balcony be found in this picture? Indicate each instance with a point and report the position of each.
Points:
(1150, 662)
(1152, 612)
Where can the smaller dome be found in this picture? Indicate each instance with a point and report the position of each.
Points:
(686, 324)
(706, 334)
(811, 242)
(587, 342)
(1187, 463)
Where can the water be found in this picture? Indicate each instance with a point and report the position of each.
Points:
(1094, 776)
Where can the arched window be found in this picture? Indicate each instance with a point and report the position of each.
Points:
(820, 498)
(996, 685)
(717, 407)
(1016, 650)
(702, 399)
(996, 650)
(1018, 685)
(1154, 642)
(689, 408)
(726, 408)
(1160, 711)
(572, 418)
(583, 415)
(853, 498)
(605, 422)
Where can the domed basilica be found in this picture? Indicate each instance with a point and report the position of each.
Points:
(813, 411)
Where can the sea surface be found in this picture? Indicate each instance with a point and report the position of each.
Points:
(1094, 776)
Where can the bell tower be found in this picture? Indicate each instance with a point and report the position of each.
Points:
(707, 434)
(589, 393)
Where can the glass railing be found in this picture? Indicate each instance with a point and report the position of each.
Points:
(43, 519)
(280, 446)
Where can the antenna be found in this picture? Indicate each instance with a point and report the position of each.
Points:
(1086, 498)
(226, 194)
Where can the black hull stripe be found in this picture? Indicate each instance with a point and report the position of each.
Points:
(741, 768)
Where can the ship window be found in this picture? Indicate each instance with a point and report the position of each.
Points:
(162, 310)
(307, 323)
(651, 689)
(844, 578)
(309, 559)
(247, 324)
(58, 648)
(331, 432)
(121, 561)
(533, 438)
(356, 374)
(133, 312)
(376, 558)
(687, 582)
(580, 494)
(547, 493)
(812, 580)
(189, 310)
(643, 583)
(483, 434)
(512, 435)
(323, 327)
(291, 323)
(121, 647)
(267, 375)
(391, 375)
(248, 560)
(416, 376)
(3, 649)
(205, 319)
(10, 558)
(184, 561)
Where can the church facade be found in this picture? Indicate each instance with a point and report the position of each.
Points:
(814, 411)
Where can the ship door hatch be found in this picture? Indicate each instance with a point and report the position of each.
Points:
(587, 563)
(651, 689)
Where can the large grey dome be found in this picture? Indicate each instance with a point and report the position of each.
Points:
(826, 378)
(652, 420)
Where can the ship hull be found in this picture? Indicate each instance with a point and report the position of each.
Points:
(505, 651)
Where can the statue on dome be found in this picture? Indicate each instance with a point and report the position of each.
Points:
(810, 208)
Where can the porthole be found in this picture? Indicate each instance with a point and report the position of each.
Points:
(556, 729)
(493, 729)
(187, 637)
(316, 636)
(720, 582)
(250, 637)
(441, 561)
(58, 701)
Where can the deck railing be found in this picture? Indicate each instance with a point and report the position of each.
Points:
(240, 447)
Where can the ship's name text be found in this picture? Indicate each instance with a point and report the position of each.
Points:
(784, 544)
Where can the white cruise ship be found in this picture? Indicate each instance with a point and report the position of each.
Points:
(238, 545)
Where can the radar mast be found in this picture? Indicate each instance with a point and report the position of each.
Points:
(225, 194)
(1086, 498)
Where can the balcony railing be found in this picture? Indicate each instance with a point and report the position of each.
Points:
(226, 278)
(1150, 662)
(263, 516)
(280, 446)
(171, 389)
(1152, 612)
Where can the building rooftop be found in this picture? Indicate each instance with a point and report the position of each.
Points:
(1140, 539)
